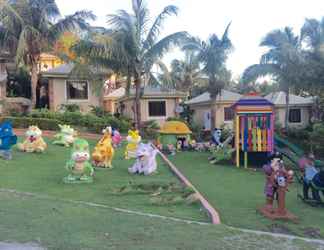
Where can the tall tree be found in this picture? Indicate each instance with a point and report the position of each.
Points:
(283, 61)
(30, 27)
(213, 54)
(135, 44)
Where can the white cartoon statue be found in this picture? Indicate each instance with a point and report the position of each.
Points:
(146, 160)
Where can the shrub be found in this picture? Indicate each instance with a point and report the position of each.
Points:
(25, 122)
(151, 129)
(70, 107)
(317, 138)
(99, 111)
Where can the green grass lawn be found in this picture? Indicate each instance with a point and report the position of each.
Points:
(51, 217)
(236, 193)
(43, 173)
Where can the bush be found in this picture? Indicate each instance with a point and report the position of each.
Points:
(99, 111)
(317, 139)
(89, 121)
(70, 107)
(151, 129)
(25, 122)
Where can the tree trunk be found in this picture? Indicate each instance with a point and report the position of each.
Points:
(137, 102)
(287, 111)
(213, 110)
(128, 81)
(34, 82)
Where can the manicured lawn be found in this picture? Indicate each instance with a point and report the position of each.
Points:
(236, 193)
(50, 217)
(60, 225)
(43, 173)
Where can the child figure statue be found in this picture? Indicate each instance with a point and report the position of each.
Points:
(277, 181)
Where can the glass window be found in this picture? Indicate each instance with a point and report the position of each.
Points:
(77, 90)
(295, 115)
(157, 108)
(228, 114)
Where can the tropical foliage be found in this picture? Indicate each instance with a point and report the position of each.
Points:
(30, 27)
(212, 54)
(134, 45)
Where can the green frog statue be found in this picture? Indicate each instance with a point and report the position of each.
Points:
(79, 167)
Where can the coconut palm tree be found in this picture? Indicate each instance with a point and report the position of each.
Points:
(135, 45)
(30, 27)
(283, 61)
(213, 54)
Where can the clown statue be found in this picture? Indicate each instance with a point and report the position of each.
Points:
(7, 140)
(34, 141)
(78, 166)
(146, 160)
(133, 140)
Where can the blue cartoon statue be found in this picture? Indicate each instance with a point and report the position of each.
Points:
(7, 140)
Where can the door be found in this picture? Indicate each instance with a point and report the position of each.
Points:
(207, 120)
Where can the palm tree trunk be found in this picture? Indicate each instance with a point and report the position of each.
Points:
(287, 111)
(137, 104)
(213, 110)
(128, 81)
(34, 82)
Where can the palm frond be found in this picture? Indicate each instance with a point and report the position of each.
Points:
(157, 25)
(255, 71)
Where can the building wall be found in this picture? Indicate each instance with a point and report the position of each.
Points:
(280, 113)
(58, 96)
(199, 115)
(171, 104)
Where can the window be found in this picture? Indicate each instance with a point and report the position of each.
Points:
(228, 114)
(157, 108)
(77, 90)
(294, 115)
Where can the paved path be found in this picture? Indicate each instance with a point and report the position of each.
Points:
(18, 246)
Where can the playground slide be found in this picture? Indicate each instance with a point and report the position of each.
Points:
(291, 151)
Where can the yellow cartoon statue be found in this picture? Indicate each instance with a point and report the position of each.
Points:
(104, 152)
(33, 142)
(133, 140)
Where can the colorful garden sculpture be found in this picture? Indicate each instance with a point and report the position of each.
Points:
(116, 138)
(146, 160)
(33, 142)
(133, 140)
(79, 167)
(66, 136)
(104, 152)
(277, 181)
(7, 140)
(216, 137)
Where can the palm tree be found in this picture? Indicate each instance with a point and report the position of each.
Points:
(213, 54)
(282, 61)
(30, 27)
(135, 46)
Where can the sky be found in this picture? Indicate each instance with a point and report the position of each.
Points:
(251, 20)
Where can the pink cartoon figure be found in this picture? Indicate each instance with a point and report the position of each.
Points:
(116, 138)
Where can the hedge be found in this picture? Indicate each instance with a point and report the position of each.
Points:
(25, 122)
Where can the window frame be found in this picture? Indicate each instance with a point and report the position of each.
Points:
(77, 100)
(300, 115)
(230, 120)
(157, 116)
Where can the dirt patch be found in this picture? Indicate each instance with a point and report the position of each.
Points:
(280, 229)
(18, 246)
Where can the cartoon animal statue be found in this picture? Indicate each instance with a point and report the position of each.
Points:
(104, 152)
(116, 138)
(79, 167)
(7, 140)
(277, 182)
(33, 142)
(146, 160)
(66, 136)
(133, 140)
(216, 137)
